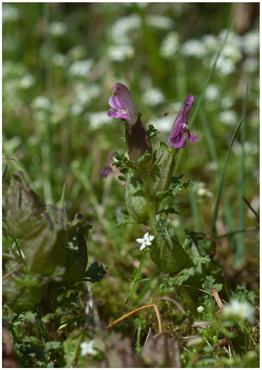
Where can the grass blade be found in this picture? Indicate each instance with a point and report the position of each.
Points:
(240, 251)
(213, 154)
(222, 178)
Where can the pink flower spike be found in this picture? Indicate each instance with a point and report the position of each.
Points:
(122, 101)
(180, 131)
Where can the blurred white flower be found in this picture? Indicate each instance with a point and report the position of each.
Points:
(193, 48)
(232, 52)
(27, 81)
(228, 117)
(227, 102)
(232, 39)
(121, 28)
(57, 28)
(200, 189)
(250, 42)
(238, 310)
(60, 60)
(9, 13)
(212, 92)
(97, 119)
(146, 241)
(121, 52)
(163, 124)
(41, 102)
(160, 21)
(224, 65)
(210, 42)
(251, 65)
(153, 97)
(249, 148)
(169, 45)
(87, 348)
(77, 109)
(81, 68)
(211, 166)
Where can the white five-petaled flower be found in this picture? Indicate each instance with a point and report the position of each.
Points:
(146, 241)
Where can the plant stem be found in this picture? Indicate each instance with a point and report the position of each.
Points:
(137, 276)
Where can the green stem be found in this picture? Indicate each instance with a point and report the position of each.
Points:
(138, 348)
(136, 278)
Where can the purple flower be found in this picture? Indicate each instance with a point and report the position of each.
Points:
(180, 131)
(105, 171)
(122, 101)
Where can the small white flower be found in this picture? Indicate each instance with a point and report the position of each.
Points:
(239, 310)
(87, 348)
(146, 241)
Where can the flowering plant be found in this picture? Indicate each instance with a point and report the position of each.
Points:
(149, 174)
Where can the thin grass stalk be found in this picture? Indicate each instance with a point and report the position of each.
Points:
(240, 251)
(213, 227)
(48, 88)
(194, 209)
(213, 154)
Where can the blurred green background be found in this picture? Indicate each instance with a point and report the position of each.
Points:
(59, 63)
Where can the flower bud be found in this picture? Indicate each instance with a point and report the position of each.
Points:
(180, 131)
(137, 143)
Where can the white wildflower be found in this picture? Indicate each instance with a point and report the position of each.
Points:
(227, 102)
(251, 65)
(224, 65)
(146, 241)
(169, 45)
(87, 348)
(123, 26)
(41, 102)
(250, 42)
(27, 81)
(97, 119)
(9, 13)
(57, 29)
(160, 21)
(60, 60)
(153, 97)
(239, 310)
(212, 92)
(81, 68)
(163, 124)
(228, 117)
(211, 42)
(193, 48)
(120, 53)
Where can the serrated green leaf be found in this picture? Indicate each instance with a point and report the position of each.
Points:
(95, 273)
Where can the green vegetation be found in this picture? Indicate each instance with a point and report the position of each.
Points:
(71, 262)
